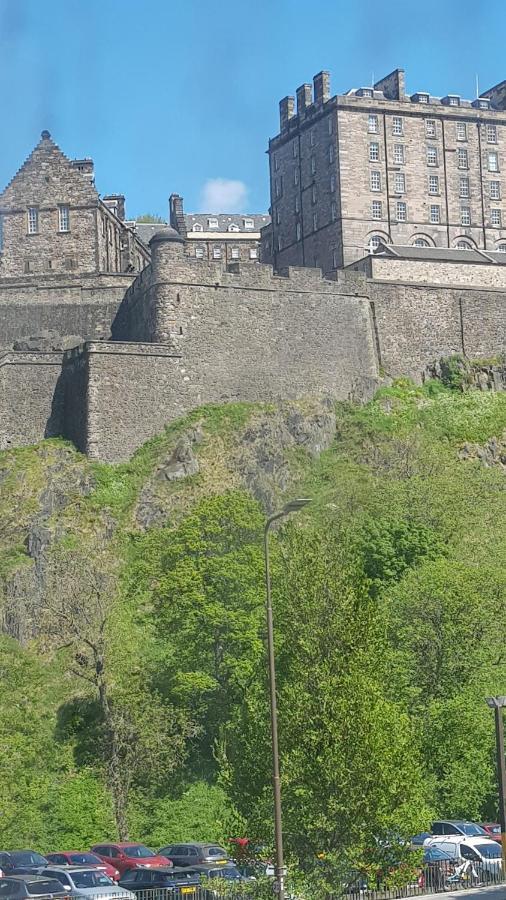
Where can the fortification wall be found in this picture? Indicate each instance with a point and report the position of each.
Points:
(430, 271)
(31, 397)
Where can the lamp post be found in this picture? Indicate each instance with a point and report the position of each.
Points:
(498, 704)
(290, 507)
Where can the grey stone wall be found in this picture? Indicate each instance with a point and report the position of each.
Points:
(31, 397)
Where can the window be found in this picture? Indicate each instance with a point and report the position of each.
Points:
(278, 187)
(495, 190)
(420, 242)
(315, 221)
(430, 127)
(372, 124)
(33, 220)
(298, 231)
(454, 101)
(311, 138)
(374, 152)
(461, 131)
(491, 134)
(296, 176)
(401, 211)
(335, 257)
(253, 253)
(493, 162)
(399, 183)
(433, 184)
(234, 253)
(331, 153)
(1, 233)
(295, 150)
(297, 203)
(330, 126)
(313, 165)
(212, 223)
(216, 252)
(279, 242)
(464, 187)
(276, 163)
(375, 243)
(278, 216)
(197, 227)
(313, 194)
(462, 162)
(396, 125)
(423, 98)
(376, 209)
(27, 266)
(249, 224)
(333, 211)
(432, 156)
(465, 215)
(375, 181)
(233, 227)
(332, 184)
(435, 215)
(501, 248)
(398, 153)
(199, 252)
(462, 245)
(63, 218)
(495, 217)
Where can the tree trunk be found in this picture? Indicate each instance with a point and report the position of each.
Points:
(116, 777)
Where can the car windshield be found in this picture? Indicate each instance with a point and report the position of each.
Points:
(216, 851)
(27, 858)
(90, 879)
(44, 887)
(229, 874)
(494, 829)
(489, 849)
(138, 851)
(471, 829)
(85, 859)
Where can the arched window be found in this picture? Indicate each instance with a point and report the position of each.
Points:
(375, 242)
(501, 248)
(197, 227)
(420, 242)
(233, 227)
(463, 245)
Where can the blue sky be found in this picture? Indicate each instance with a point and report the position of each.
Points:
(172, 95)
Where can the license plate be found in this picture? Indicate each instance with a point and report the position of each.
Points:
(187, 890)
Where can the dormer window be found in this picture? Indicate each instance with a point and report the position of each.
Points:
(212, 223)
(233, 227)
(364, 92)
(197, 227)
(33, 220)
(420, 98)
(451, 100)
(249, 223)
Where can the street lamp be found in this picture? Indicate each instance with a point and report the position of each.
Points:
(290, 507)
(498, 704)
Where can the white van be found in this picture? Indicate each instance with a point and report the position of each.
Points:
(483, 853)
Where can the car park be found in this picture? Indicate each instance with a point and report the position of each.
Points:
(21, 862)
(128, 855)
(83, 882)
(84, 859)
(178, 882)
(26, 887)
(484, 855)
(458, 826)
(195, 853)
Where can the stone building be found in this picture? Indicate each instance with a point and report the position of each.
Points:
(52, 221)
(376, 165)
(229, 237)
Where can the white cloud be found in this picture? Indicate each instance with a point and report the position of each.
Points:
(222, 195)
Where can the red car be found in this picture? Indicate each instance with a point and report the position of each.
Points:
(493, 831)
(129, 856)
(83, 858)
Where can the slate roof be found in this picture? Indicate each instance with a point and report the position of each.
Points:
(225, 220)
(444, 254)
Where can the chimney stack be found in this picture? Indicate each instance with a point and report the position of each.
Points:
(304, 99)
(286, 112)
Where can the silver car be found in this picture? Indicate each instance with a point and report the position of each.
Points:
(90, 883)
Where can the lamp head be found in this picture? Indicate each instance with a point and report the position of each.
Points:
(294, 505)
(496, 702)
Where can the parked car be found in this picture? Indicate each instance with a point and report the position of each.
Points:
(195, 854)
(419, 839)
(129, 856)
(21, 862)
(21, 887)
(82, 882)
(493, 830)
(438, 866)
(86, 859)
(484, 855)
(228, 872)
(179, 882)
(458, 826)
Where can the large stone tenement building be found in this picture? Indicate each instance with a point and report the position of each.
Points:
(110, 349)
(376, 165)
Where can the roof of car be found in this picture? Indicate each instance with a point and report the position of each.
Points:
(194, 844)
(456, 821)
(460, 839)
(115, 844)
(29, 878)
(69, 870)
